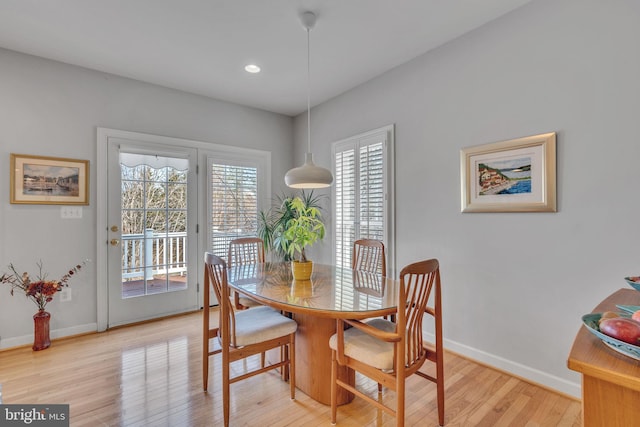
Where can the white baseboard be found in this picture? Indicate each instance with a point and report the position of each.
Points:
(56, 333)
(517, 369)
(526, 372)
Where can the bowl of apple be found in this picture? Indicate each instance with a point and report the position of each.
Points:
(619, 331)
(634, 282)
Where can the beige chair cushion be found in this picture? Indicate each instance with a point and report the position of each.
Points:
(261, 324)
(363, 347)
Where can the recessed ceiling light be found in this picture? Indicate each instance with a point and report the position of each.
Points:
(252, 68)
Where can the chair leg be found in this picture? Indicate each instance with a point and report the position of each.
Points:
(205, 348)
(225, 387)
(236, 302)
(334, 387)
(284, 371)
(400, 387)
(440, 388)
(292, 367)
(205, 370)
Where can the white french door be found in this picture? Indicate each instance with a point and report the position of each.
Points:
(151, 216)
(150, 202)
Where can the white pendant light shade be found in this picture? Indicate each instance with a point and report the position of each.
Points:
(308, 175)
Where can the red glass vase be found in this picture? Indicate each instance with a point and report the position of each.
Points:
(41, 338)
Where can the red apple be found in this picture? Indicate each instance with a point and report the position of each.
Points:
(622, 329)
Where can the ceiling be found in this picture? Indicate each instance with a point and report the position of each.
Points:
(202, 46)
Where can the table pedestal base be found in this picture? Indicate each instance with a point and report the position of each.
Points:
(313, 360)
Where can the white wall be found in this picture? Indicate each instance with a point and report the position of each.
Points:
(53, 109)
(516, 284)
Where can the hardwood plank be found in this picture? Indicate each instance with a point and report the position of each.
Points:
(150, 374)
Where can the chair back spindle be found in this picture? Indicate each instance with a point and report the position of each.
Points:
(416, 281)
(216, 270)
(246, 250)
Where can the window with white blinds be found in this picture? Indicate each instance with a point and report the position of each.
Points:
(234, 204)
(363, 170)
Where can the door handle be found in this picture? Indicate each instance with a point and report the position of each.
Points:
(114, 242)
(114, 228)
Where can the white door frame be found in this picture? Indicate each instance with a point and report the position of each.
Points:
(103, 136)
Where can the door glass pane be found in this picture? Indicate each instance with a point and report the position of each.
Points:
(234, 205)
(154, 237)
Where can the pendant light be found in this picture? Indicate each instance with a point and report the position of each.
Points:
(308, 175)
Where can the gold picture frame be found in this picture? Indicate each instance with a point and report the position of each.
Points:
(49, 180)
(518, 175)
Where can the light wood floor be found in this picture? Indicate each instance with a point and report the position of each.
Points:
(150, 375)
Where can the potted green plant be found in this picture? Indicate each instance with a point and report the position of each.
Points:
(301, 231)
(272, 223)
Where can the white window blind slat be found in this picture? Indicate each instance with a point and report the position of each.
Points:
(234, 204)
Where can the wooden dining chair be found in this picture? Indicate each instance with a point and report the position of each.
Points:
(368, 255)
(243, 333)
(243, 251)
(390, 352)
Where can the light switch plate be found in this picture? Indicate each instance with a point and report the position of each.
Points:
(65, 294)
(70, 212)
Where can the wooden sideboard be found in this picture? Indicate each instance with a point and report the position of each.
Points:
(610, 380)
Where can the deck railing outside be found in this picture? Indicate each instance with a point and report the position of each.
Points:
(151, 254)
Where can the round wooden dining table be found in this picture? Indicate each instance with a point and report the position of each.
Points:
(332, 293)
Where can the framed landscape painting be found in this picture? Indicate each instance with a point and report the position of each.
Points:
(49, 180)
(517, 175)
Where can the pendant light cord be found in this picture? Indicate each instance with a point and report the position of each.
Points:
(308, 91)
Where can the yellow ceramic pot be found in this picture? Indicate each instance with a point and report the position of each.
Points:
(301, 270)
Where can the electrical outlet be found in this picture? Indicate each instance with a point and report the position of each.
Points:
(65, 295)
(70, 212)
